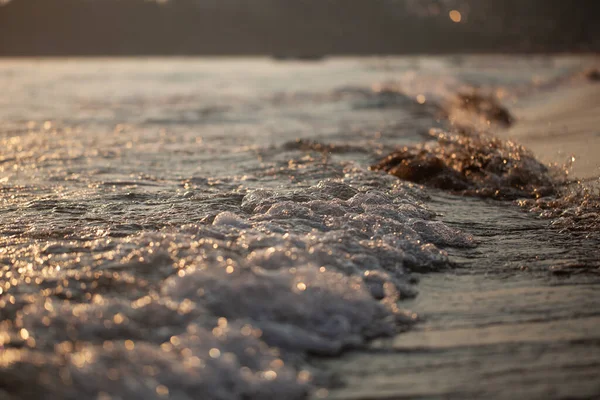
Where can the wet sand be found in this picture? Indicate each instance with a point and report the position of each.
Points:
(500, 326)
(561, 124)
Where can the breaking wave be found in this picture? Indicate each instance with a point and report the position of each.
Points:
(476, 164)
(222, 310)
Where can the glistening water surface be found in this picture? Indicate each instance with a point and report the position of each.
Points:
(204, 228)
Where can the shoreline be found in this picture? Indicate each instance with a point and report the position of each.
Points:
(560, 124)
(501, 325)
(114, 204)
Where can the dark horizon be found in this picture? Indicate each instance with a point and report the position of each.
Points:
(301, 28)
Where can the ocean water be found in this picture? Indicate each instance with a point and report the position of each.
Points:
(212, 228)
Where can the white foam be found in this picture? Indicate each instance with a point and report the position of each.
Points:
(224, 311)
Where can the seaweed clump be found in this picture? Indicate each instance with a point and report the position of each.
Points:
(476, 165)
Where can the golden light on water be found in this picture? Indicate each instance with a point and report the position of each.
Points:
(270, 375)
(24, 334)
(214, 353)
(162, 390)
(455, 16)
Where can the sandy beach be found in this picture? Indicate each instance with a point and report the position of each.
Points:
(559, 124)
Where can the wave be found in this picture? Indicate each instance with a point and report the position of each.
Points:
(225, 309)
(477, 164)
(576, 207)
(215, 268)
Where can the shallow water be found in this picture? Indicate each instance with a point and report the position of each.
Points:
(203, 228)
(517, 318)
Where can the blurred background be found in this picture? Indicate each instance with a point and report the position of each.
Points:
(296, 28)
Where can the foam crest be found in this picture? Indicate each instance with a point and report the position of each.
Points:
(227, 308)
(475, 164)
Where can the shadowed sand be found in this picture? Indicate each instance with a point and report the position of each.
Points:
(562, 124)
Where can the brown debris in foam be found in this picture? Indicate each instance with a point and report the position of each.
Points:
(476, 165)
(486, 106)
